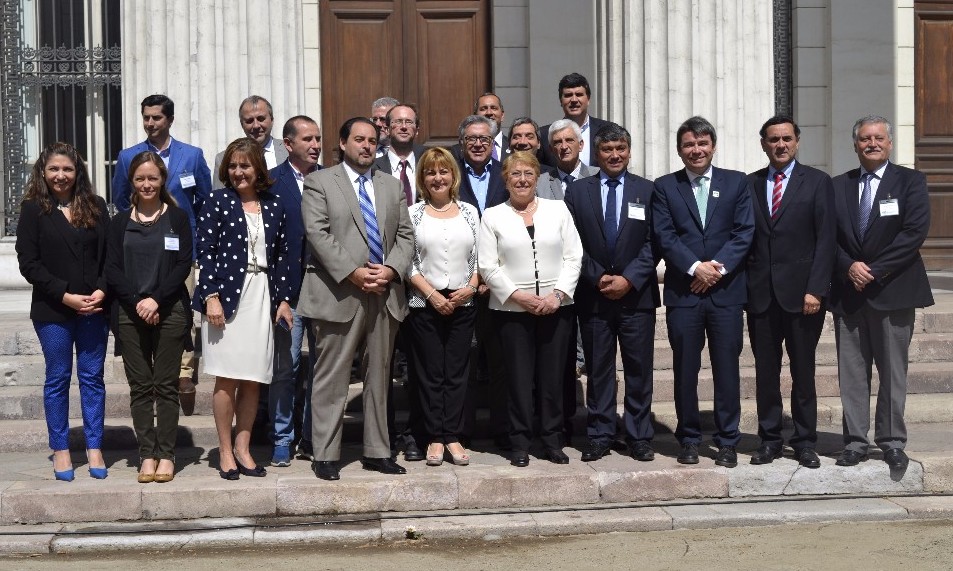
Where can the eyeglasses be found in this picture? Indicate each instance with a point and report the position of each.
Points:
(381, 120)
(408, 122)
(474, 139)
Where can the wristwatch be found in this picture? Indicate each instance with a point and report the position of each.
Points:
(559, 296)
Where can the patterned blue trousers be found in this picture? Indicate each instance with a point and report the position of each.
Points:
(88, 334)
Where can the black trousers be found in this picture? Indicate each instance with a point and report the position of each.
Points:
(535, 358)
(439, 354)
(488, 350)
(800, 334)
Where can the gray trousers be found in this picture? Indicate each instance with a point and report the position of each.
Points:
(865, 338)
(335, 346)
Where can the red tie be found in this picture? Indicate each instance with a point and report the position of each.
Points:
(776, 194)
(405, 182)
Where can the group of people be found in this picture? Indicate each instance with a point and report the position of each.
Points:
(543, 248)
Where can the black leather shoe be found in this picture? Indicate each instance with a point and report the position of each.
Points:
(641, 450)
(557, 456)
(325, 470)
(256, 472)
(520, 459)
(896, 459)
(807, 457)
(765, 454)
(726, 457)
(689, 454)
(412, 453)
(851, 458)
(595, 450)
(382, 465)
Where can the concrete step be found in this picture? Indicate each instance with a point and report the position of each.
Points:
(199, 431)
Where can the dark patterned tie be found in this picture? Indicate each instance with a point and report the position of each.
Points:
(405, 182)
(863, 213)
(612, 222)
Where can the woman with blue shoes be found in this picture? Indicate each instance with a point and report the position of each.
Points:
(61, 246)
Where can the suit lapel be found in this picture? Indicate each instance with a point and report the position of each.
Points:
(884, 191)
(594, 191)
(791, 193)
(66, 230)
(382, 205)
(684, 185)
(347, 191)
(714, 194)
(851, 195)
(175, 159)
(628, 196)
(758, 185)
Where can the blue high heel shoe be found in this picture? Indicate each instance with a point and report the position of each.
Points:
(98, 473)
(65, 475)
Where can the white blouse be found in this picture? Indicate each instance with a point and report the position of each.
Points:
(445, 249)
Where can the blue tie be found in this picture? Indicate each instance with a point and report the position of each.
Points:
(370, 222)
(612, 222)
(863, 213)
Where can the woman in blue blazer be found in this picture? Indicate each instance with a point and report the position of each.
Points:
(243, 292)
(61, 247)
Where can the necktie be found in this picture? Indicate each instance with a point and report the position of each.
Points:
(569, 178)
(701, 197)
(863, 213)
(612, 222)
(496, 156)
(405, 182)
(370, 222)
(776, 194)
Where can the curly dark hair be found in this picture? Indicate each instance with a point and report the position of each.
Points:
(84, 210)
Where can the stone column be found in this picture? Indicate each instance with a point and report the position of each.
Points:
(208, 55)
(662, 61)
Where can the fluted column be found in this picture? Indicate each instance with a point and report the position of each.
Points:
(662, 61)
(208, 55)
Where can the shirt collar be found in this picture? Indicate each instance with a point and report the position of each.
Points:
(353, 175)
(878, 172)
(692, 176)
(164, 153)
(787, 170)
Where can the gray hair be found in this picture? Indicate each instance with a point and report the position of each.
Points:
(474, 119)
(525, 121)
(611, 132)
(869, 120)
(561, 125)
(384, 102)
(253, 101)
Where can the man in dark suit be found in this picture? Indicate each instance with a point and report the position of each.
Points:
(490, 106)
(360, 245)
(789, 274)
(302, 140)
(574, 94)
(481, 180)
(883, 216)
(617, 294)
(703, 228)
(189, 182)
(257, 117)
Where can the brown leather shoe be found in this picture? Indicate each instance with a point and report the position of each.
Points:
(187, 395)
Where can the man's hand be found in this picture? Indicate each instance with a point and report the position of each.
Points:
(614, 287)
(812, 304)
(372, 278)
(859, 275)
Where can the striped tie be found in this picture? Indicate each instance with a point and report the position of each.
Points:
(776, 194)
(370, 222)
(863, 213)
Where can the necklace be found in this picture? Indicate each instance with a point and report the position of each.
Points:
(253, 236)
(64, 204)
(444, 209)
(146, 223)
(528, 210)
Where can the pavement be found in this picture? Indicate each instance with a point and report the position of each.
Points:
(488, 499)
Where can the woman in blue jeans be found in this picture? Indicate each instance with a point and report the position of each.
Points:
(61, 247)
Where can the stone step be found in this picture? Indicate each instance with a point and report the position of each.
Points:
(199, 431)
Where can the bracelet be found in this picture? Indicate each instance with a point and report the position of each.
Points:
(474, 288)
(211, 296)
(558, 296)
(433, 291)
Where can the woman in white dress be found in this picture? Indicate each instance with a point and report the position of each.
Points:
(243, 294)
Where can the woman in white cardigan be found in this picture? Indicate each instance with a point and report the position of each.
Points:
(530, 256)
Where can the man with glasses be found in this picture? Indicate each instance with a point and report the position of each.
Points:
(379, 110)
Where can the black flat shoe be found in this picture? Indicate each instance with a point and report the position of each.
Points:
(557, 456)
(256, 472)
(595, 450)
(726, 457)
(642, 451)
(519, 459)
(765, 454)
(412, 452)
(325, 470)
(807, 457)
(689, 454)
(232, 474)
(382, 465)
(896, 459)
(851, 458)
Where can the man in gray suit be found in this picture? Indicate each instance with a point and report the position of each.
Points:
(257, 117)
(361, 242)
(565, 143)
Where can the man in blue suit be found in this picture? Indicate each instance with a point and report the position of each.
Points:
(302, 140)
(617, 294)
(189, 182)
(704, 225)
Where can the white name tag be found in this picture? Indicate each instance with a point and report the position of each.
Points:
(187, 180)
(636, 211)
(715, 194)
(171, 243)
(889, 207)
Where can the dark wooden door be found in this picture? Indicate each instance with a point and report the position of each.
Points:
(933, 45)
(432, 53)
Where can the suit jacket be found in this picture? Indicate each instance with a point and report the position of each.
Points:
(56, 258)
(793, 254)
(682, 241)
(382, 163)
(549, 186)
(286, 188)
(223, 250)
(337, 242)
(891, 246)
(633, 259)
(184, 159)
(496, 191)
(550, 159)
(584, 171)
(281, 155)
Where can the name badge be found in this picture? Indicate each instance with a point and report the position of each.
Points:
(187, 180)
(171, 243)
(715, 194)
(889, 207)
(636, 211)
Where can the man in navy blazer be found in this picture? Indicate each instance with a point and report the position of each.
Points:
(789, 275)
(617, 294)
(574, 94)
(883, 216)
(189, 182)
(302, 140)
(703, 227)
